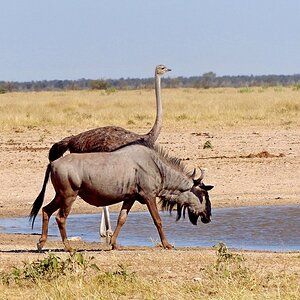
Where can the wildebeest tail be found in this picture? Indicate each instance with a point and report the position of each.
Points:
(58, 149)
(40, 198)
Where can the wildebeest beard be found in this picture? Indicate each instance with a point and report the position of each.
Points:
(169, 205)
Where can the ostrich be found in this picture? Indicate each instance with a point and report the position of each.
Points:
(110, 138)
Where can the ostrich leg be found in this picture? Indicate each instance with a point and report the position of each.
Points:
(105, 226)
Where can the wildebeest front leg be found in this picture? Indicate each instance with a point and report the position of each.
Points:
(121, 220)
(151, 204)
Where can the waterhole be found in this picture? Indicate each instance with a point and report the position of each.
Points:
(269, 228)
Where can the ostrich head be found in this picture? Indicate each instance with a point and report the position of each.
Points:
(161, 69)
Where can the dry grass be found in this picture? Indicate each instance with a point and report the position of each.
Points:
(181, 275)
(89, 109)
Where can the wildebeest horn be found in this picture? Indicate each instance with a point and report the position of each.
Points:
(198, 177)
(194, 173)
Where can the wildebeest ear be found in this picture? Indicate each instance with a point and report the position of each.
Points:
(207, 187)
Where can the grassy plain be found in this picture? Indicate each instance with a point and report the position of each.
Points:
(200, 107)
(236, 121)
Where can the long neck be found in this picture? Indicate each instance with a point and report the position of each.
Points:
(155, 130)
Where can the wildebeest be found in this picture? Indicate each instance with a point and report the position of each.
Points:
(132, 173)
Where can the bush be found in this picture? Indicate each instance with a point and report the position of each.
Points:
(48, 268)
(2, 90)
(99, 85)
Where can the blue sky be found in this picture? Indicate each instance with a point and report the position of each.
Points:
(73, 39)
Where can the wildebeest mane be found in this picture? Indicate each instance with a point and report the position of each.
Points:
(173, 162)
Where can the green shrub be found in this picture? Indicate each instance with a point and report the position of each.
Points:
(208, 145)
(49, 268)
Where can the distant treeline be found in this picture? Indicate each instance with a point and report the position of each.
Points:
(207, 80)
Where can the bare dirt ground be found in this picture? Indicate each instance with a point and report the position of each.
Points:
(247, 166)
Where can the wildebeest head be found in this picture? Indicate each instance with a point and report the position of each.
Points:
(200, 190)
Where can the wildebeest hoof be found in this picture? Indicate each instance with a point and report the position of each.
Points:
(115, 247)
(39, 246)
(70, 250)
(168, 246)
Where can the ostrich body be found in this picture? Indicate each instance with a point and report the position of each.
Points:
(110, 138)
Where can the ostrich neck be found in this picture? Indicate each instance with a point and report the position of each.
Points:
(155, 130)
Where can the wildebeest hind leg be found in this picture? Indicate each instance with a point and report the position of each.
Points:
(47, 211)
(61, 221)
(121, 220)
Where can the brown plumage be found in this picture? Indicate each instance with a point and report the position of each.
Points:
(110, 138)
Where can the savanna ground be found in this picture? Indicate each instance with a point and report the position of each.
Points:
(249, 141)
